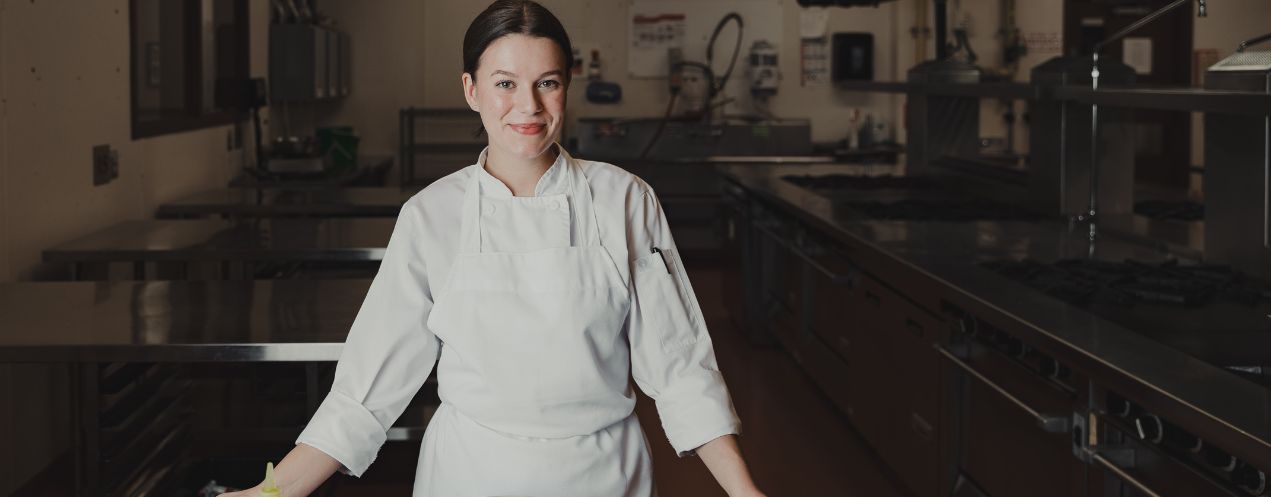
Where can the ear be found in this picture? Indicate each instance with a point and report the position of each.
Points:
(470, 91)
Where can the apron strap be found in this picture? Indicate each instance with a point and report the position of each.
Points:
(578, 192)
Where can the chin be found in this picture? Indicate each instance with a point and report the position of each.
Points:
(528, 149)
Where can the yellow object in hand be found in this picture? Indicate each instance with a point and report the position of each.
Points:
(269, 488)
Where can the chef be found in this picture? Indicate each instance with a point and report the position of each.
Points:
(538, 284)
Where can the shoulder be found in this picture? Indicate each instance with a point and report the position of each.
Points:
(438, 204)
(612, 185)
(445, 192)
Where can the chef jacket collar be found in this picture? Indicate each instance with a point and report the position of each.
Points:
(553, 181)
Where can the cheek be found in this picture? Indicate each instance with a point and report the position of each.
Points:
(493, 107)
(554, 103)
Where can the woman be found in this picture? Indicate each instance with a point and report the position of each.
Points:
(537, 282)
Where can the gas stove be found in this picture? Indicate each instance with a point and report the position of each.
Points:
(837, 182)
(1175, 211)
(942, 211)
(1211, 312)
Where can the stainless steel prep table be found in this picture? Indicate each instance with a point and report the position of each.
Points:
(288, 202)
(938, 261)
(177, 321)
(130, 344)
(346, 240)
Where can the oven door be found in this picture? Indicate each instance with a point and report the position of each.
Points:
(1010, 425)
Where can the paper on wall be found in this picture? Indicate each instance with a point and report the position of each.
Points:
(651, 37)
(814, 62)
(814, 22)
(1137, 53)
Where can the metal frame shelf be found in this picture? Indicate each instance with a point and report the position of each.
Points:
(1180, 99)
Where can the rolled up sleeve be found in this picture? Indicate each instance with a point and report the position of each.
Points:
(386, 358)
(672, 356)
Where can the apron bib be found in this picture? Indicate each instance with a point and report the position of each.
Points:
(533, 374)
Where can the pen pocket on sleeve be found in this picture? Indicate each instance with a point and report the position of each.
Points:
(664, 307)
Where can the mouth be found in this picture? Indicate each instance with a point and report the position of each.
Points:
(529, 129)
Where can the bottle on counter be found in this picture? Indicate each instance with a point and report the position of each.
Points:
(269, 488)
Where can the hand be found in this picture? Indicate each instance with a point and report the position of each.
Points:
(251, 492)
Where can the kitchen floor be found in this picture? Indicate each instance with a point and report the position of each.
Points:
(796, 441)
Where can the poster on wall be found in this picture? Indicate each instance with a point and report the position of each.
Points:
(652, 36)
(814, 51)
(657, 26)
(1137, 53)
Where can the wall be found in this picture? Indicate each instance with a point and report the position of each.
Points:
(8, 475)
(65, 78)
(388, 52)
(398, 63)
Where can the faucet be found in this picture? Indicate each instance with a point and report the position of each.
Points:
(1092, 210)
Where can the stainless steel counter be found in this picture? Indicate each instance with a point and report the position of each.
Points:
(221, 321)
(936, 262)
(281, 202)
(346, 239)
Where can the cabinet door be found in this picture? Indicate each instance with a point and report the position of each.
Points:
(994, 427)
(870, 363)
(914, 448)
(836, 303)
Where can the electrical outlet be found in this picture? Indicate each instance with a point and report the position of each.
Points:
(101, 165)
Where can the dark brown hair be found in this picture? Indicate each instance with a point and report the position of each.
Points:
(505, 17)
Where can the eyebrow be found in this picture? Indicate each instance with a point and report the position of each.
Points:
(556, 72)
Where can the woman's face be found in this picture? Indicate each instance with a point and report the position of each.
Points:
(519, 89)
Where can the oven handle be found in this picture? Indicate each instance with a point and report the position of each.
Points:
(1049, 423)
(1121, 474)
(837, 279)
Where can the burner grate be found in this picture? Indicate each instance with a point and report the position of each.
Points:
(849, 182)
(1176, 211)
(1082, 282)
(928, 210)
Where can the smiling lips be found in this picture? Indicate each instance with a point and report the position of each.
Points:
(529, 129)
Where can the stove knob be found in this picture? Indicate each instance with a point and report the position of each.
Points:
(1118, 406)
(1149, 428)
(1219, 458)
(1048, 367)
(1250, 479)
(1179, 439)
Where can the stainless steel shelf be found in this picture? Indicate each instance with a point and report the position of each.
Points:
(1181, 99)
(875, 86)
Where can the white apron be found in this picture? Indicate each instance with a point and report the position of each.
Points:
(533, 373)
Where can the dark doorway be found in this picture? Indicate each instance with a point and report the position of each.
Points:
(1162, 138)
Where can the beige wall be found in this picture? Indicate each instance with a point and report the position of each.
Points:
(65, 77)
(5, 271)
(388, 51)
(70, 93)
(408, 53)
(8, 475)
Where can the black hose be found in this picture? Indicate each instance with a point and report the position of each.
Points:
(657, 133)
(710, 50)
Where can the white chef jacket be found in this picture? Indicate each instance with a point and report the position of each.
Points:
(390, 351)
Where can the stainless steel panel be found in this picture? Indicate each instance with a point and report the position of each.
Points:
(1237, 167)
(941, 125)
(1059, 143)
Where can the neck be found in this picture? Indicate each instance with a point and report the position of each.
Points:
(519, 174)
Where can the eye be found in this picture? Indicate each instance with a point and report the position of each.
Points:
(505, 84)
(549, 84)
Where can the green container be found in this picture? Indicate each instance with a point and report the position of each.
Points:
(339, 145)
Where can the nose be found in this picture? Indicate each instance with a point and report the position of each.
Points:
(527, 100)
